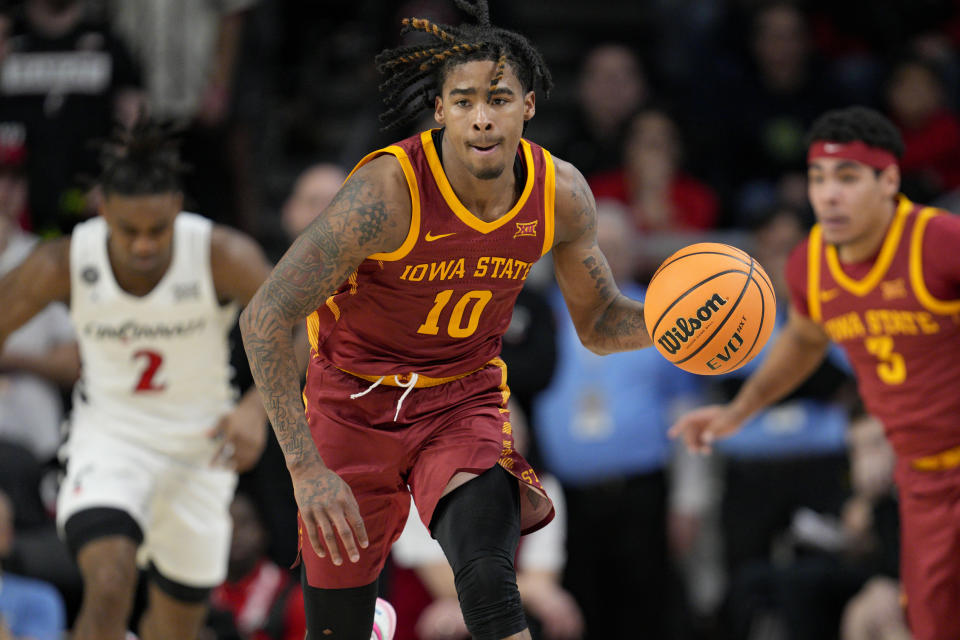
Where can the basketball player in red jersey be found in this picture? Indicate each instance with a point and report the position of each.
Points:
(879, 275)
(407, 281)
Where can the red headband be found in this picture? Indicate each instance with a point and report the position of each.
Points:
(857, 151)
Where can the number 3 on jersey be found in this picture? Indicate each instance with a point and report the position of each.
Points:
(456, 327)
(891, 368)
(152, 361)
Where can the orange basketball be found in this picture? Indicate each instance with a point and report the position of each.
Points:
(710, 308)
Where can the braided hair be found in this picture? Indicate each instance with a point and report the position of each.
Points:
(417, 71)
(141, 160)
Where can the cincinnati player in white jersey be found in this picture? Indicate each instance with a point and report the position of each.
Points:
(156, 433)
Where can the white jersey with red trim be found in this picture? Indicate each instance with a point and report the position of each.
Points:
(156, 368)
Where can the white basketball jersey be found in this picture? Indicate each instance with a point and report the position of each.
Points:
(156, 369)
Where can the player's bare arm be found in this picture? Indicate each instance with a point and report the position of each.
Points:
(606, 320)
(42, 278)
(794, 355)
(370, 214)
(239, 267)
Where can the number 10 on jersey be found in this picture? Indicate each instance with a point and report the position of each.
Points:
(455, 326)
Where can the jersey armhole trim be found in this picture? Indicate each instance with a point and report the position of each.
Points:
(813, 273)
(313, 323)
(414, 232)
(549, 201)
(930, 303)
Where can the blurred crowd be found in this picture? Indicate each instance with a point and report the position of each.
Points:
(687, 118)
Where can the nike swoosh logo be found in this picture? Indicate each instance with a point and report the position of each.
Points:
(828, 294)
(430, 237)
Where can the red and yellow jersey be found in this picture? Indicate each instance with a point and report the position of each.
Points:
(897, 316)
(439, 304)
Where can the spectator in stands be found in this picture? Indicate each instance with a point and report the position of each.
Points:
(29, 609)
(804, 434)
(39, 360)
(612, 86)
(263, 599)
(64, 107)
(38, 364)
(604, 435)
(871, 521)
(189, 53)
(312, 192)
(827, 565)
(751, 115)
(917, 104)
(651, 182)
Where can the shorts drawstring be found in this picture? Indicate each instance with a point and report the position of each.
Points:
(410, 384)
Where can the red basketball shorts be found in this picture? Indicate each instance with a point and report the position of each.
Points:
(462, 425)
(930, 550)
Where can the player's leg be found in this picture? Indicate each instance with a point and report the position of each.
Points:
(105, 541)
(102, 516)
(174, 610)
(188, 545)
(928, 561)
(339, 614)
(478, 526)
(341, 601)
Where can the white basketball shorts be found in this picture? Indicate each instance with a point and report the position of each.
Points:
(182, 508)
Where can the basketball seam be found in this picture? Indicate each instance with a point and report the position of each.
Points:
(763, 318)
(703, 253)
(688, 291)
(746, 285)
(766, 278)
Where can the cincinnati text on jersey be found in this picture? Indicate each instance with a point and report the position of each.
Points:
(133, 330)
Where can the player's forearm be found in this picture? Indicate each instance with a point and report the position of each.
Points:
(60, 365)
(619, 327)
(268, 341)
(791, 361)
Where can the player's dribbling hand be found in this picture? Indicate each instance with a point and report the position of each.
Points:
(329, 509)
(702, 426)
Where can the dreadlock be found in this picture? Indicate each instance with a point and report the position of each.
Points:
(141, 160)
(417, 71)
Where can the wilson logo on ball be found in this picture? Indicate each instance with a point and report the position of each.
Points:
(685, 328)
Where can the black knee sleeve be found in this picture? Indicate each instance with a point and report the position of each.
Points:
(98, 522)
(339, 614)
(478, 526)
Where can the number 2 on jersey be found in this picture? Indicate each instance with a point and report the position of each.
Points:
(146, 383)
(455, 327)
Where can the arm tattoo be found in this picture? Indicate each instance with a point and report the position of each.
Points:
(312, 269)
(599, 270)
(621, 323)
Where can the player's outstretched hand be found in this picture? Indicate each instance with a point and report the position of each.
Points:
(702, 426)
(328, 510)
(242, 436)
